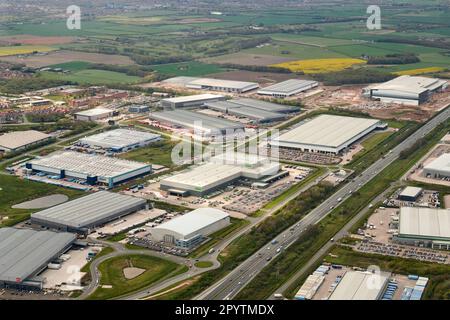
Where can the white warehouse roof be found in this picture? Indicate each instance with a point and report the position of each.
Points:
(327, 131)
(19, 139)
(357, 285)
(94, 112)
(428, 223)
(289, 87)
(119, 138)
(411, 192)
(410, 84)
(440, 164)
(192, 98)
(230, 84)
(193, 221)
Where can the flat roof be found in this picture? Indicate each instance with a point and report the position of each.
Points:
(411, 192)
(411, 84)
(195, 120)
(24, 252)
(358, 285)
(425, 222)
(193, 221)
(89, 164)
(192, 98)
(223, 83)
(94, 112)
(245, 111)
(327, 130)
(119, 138)
(288, 86)
(89, 209)
(264, 105)
(441, 163)
(17, 139)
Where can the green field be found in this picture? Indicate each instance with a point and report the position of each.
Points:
(72, 66)
(92, 76)
(13, 50)
(156, 153)
(112, 274)
(191, 69)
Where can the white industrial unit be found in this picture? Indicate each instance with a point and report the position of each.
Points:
(190, 101)
(191, 228)
(213, 84)
(406, 90)
(359, 285)
(327, 134)
(438, 168)
(19, 140)
(288, 88)
(91, 168)
(93, 114)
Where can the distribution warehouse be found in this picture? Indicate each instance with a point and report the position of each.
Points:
(85, 213)
(93, 114)
(217, 173)
(191, 228)
(25, 253)
(213, 84)
(288, 88)
(264, 105)
(190, 101)
(202, 123)
(19, 140)
(91, 168)
(359, 285)
(424, 226)
(327, 133)
(120, 140)
(438, 168)
(406, 89)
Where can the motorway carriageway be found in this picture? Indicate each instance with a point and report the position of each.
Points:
(229, 286)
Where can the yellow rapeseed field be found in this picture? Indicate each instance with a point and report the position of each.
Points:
(419, 71)
(13, 50)
(319, 65)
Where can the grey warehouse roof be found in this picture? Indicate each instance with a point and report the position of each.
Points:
(425, 222)
(264, 105)
(24, 252)
(119, 138)
(188, 119)
(88, 210)
(245, 111)
(18, 139)
(289, 86)
(412, 84)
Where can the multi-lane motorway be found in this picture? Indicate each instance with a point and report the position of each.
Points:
(228, 287)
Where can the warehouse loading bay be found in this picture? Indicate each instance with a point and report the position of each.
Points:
(239, 198)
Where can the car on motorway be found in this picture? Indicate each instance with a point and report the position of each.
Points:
(268, 258)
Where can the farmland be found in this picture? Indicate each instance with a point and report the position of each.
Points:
(15, 50)
(320, 65)
(92, 77)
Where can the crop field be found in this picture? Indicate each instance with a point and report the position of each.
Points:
(320, 65)
(420, 71)
(192, 69)
(93, 76)
(14, 50)
(72, 66)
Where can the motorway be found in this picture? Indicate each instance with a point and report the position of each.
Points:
(228, 287)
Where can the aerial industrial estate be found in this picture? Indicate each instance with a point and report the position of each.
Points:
(289, 154)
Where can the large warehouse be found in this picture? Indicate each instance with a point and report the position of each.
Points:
(120, 140)
(85, 213)
(91, 168)
(288, 88)
(406, 89)
(327, 134)
(264, 105)
(20, 140)
(25, 253)
(200, 122)
(438, 168)
(257, 115)
(191, 228)
(213, 84)
(359, 285)
(190, 101)
(93, 114)
(424, 226)
(216, 174)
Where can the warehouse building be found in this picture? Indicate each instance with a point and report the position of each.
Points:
(359, 285)
(328, 134)
(86, 213)
(191, 229)
(190, 101)
(410, 194)
(424, 227)
(93, 169)
(195, 121)
(213, 84)
(217, 173)
(288, 88)
(264, 105)
(120, 140)
(139, 109)
(26, 253)
(438, 168)
(409, 90)
(93, 114)
(256, 115)
(20, 140)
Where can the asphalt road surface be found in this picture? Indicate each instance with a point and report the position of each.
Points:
(228, 287)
